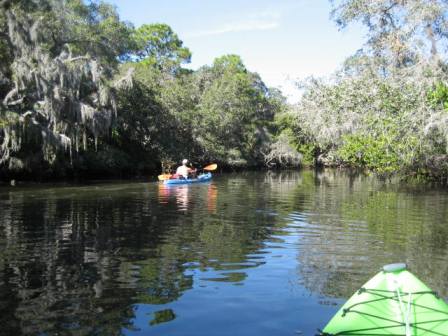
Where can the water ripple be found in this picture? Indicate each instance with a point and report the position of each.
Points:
(249, 252)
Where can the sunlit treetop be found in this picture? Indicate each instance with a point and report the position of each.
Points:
(401, 30)
(157, 44)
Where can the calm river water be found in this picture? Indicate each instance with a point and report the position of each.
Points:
(247, 254)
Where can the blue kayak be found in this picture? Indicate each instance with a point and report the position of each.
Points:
(201, 178)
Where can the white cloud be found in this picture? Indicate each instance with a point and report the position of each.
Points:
(260, 21)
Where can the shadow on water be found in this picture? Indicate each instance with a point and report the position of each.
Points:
(252, 253)
(355, 225)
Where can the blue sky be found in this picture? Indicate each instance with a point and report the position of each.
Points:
(282, 40)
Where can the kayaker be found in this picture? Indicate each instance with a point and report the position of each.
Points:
(184, 171)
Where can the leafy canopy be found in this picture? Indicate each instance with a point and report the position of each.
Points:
(158, 45)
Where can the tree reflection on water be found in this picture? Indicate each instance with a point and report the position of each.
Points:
(79, 259)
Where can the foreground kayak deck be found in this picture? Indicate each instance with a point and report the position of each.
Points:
(394, 302)
(201, 178)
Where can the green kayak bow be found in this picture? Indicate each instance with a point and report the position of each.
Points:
(393, 303)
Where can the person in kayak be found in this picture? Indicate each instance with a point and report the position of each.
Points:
(184, 171)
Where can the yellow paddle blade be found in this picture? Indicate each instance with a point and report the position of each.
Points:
(164, 177)
(212, 166)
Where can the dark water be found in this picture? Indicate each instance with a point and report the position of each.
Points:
(248, 254)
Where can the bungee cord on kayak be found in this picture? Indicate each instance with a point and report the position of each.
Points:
(409, 309)
(396, 297)
(405, 314)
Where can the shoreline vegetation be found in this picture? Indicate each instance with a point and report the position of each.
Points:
(85, 95)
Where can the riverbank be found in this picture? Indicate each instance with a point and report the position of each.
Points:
(410, 180)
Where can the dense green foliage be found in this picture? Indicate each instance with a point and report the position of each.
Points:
(57, 84)
(159, 46)
(84, 93)
(385, 109)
